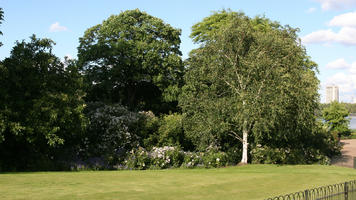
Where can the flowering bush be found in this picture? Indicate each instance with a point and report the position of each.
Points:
(165, 157)
(169, 157)
(205, 159)
(157, 158)
(139, 159)
(192, 159)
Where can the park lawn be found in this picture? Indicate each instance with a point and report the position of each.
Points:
(243, 182)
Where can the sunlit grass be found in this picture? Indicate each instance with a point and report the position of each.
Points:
(244, 182)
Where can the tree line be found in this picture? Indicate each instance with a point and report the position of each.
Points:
(247, 94)
(351, 107)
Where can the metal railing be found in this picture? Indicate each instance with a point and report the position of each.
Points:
(342, 191)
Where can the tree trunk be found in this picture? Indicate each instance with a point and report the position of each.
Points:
(244, 144)
(131, 95)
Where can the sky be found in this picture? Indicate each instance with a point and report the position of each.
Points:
(327, 27)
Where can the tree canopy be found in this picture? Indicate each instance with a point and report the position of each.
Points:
(250, 79)
(134, 59)
(42, 106)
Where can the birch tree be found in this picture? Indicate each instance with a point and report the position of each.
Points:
(246, 76)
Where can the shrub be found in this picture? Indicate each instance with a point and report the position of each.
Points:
(166, 157)
(192, 159)
(206, 159)
(214, 159)
(139, 159)
(165, 131)
(111, 132)
(268, 155)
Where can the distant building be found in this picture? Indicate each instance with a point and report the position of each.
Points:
(332, 93)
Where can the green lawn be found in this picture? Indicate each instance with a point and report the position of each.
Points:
(244, 182)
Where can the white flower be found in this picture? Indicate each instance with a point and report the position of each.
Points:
(218, 159)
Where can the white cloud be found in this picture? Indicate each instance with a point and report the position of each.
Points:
(336, 4)
(338, 64)
(346, 83)
(57, 28)
(344, 20)
(320, 36)
(311, 10)
(353, 68)
(345, 80)
(346, 36)
(342, 64)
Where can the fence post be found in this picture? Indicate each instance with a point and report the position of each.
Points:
(346, 191)
(306, 195)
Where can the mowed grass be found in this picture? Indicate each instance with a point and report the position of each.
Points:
(243, 182)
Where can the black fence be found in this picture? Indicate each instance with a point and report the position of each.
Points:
(342, 191)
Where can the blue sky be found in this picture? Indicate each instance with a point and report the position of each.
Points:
(327, 27)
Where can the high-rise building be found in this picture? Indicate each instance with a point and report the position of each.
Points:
(332, 93)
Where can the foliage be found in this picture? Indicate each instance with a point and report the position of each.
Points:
(351, 107)
(165, 157)
(351, 136)
(41, 109)
(138, 159)
(335, 116)
(250, 79)
(316, 147)
(214, 159)
(172, 157)
(134, 59)
(157, 158)
(269, 155)
(112, 132)
(192, 160)
(167, 130)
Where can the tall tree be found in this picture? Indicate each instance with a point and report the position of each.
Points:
(40, 104)
(247, 78)
(134, 59)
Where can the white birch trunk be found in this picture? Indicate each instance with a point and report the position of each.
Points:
(244, 144)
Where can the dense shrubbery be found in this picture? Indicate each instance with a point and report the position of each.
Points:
(172, 157)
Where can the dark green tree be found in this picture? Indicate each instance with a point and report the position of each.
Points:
(336, 118)
(134, 59)
(40, 105)
(250, 79)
